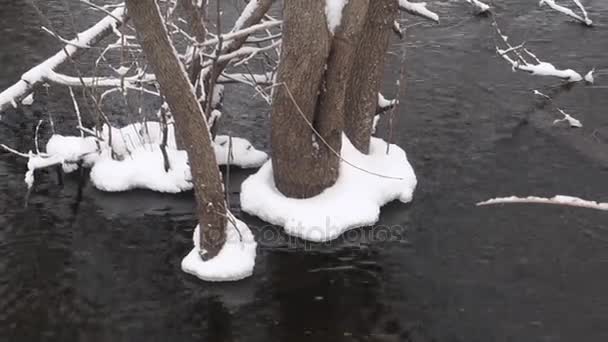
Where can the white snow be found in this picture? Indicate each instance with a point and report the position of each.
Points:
(247, 12)
(29, 100)
(35, 162)
(333, 12)
(131, 137)
(589, 77)
(73, 149)
(384, 103)
(418, 8)
(235, 260)
(541, 68)
(558, 200)
(353, 201)
(375, 123)
(139, 163)
(548, 69)
(243, 154)
(480, 6)
(143, 169)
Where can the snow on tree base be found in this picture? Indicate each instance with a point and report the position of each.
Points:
(235, 260)
(353, 201)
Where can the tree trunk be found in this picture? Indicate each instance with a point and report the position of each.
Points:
(314, 69)
(189, 120)
(367, 72)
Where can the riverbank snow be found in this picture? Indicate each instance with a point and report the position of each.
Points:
(353, 201)
(235, 260)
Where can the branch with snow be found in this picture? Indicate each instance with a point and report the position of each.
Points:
(583, 19)
(20, 90)
(419, 9)
(479, 6)
(574, 123)
(538, 67)
(557, 200)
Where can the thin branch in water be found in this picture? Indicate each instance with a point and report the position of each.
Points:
(567, 117)
(556, 200)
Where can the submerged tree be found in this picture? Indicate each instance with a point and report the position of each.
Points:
(328, 81)
(189, 120)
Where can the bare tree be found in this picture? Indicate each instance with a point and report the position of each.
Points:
(190, 121)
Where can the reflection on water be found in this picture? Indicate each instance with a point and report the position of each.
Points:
(106, 268)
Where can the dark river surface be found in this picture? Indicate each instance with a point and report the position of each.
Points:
(106, 267)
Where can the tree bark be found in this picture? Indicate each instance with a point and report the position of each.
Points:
(367, 72)
(189, 120)
(314, 69)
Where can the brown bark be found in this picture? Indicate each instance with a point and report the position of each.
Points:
(314, 68)
(189, 120)
(367, 72)
(198, 30)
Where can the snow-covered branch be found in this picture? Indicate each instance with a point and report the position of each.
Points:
(538, 67)
(583, 19)
(419, 9)
(13, 95)
(71, 81)
(574, 123)
(232, 35)
(557, 200)
(479, 6)
(249, 79)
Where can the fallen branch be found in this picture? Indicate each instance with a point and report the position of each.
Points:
(567, 117)
(557, 200)
(419, 9)
(479, 6)
(584, 19)
(540, 68)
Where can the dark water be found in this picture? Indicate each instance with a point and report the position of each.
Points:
(106, 268)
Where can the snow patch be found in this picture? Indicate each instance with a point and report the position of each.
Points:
(418, 8)
(29, 100)
(235, 260)
(143, 169)
(238, 152)
(589, 77)
(353, 201)
(480, 6)
(333, 12)
(73, 150)
(139, 162)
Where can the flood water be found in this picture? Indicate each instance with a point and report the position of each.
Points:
(106, 267)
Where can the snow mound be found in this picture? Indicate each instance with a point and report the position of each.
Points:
(144, 168)
(235, 260)
(239, 152)
(139, 162)
(132, 137)
(72, 150)
(353, 201)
